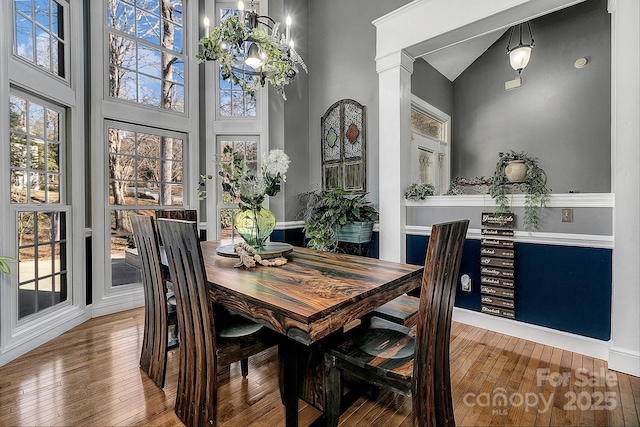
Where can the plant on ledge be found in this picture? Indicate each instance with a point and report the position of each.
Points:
(477, 185)
(533, 183)
(325, 212)
(419, 191)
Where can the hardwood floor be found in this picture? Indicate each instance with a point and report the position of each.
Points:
(89, 376)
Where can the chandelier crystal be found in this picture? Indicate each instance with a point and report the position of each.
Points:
(251, 50)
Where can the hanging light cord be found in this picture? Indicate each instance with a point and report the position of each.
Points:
(520, 30)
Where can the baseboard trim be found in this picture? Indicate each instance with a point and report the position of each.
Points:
(547, 336)
(115, 304)
(623, 360)
(62, 322)
(289, 225)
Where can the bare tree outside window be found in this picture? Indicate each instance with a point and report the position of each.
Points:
(35, 152)
(36, 168)
(146, 65)
(121, 170)
(143, 172)
(146, 55)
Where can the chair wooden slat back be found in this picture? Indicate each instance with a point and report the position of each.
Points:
(153, 358)
(197, 385)
(431, 388)
(182, 214)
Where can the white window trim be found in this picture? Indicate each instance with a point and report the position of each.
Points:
(105, 298)
(67, 42)
(219, 205)
(437, 147)
(250, 127)
(19, 326)
(133, 288)
(213, 187)
(235, 120)
(125, 103)
(17, 73)
(62, 139)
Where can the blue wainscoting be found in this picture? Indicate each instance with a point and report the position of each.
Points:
(560, 287)
(295, 237)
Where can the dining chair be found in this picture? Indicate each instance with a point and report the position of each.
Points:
(184, 214)
(402, 310)
(188, 215)
(153, 355)
(410, 361)
(207, 341)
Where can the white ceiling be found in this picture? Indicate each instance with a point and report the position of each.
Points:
(451, 61)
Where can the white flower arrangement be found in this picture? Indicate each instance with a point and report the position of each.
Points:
(251, 187)
(275, 164)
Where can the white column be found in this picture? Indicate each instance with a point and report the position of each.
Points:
(624, 354)
(394, 82)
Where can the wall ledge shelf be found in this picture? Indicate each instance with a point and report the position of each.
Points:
(540, 238)
(565, 200)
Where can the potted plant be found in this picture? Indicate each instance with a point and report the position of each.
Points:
(310, 202)
(360, 218)
(419, 191)
(336, 215)
(533, 183)
(476, 185)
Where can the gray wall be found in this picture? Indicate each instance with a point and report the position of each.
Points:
(289, 120)
(561, 114)
(429, 85)
(341, 64)
(296, 110)
(559, 109)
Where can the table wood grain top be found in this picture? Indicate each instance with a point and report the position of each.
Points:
(313, 295)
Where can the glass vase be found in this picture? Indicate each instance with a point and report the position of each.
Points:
(255, 226)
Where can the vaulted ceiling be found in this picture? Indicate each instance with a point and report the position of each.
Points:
(453, 60)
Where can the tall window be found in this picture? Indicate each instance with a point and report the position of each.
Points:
(146, 52)
(36, 168)
(35, 151)
(146, 67)
(232, 100)
(42, 251)
(240, 121)
(227, 205)
(145, 173)
(431, 145)
(39, 33)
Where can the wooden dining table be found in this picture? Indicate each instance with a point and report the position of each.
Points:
(309, 301)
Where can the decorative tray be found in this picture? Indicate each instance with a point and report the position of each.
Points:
(270, 250)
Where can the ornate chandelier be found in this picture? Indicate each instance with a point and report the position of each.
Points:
(251, 51)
